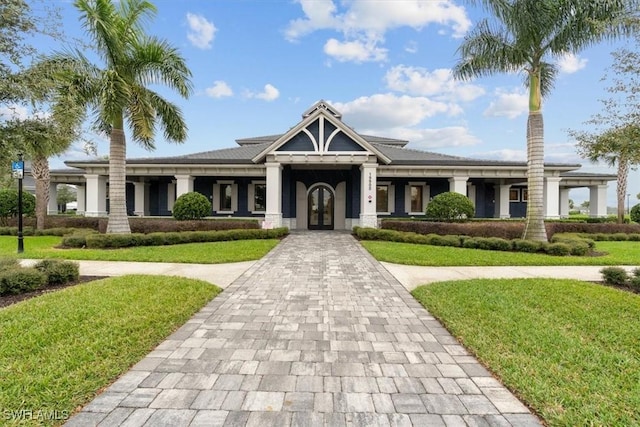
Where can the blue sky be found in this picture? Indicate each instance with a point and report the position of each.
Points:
(259, 64)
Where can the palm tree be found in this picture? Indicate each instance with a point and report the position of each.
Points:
(526, 37)
(118, 93)
(39, 139)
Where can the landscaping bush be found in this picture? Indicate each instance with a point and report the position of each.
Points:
(635, 213)
(616, 276)
(634, 281)
(530, 246)
(437, 240)
(59, 272)
(8, 263)
(9, 204)
(113, 241)
(558, 249)
(191, 206)
(504, 229)
(20, 280)
(450, 206)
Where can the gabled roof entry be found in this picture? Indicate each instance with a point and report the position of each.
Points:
(321, 132)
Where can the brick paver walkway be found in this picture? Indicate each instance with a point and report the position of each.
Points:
(317, 333)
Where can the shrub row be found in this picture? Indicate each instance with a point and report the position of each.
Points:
(141, 225)
(560, 248)
(15, 279)
(504, 229)
(111, 241)
(615, 237)
(618, 276)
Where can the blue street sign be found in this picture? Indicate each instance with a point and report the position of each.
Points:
(17, 169)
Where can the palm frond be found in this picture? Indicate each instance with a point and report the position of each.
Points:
(156, 61)
(141, 116)
(99, 19)
(548, 73)
(171, 119)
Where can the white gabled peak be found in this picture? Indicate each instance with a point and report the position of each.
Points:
(322, 105)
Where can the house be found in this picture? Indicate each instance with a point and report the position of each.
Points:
(322, 174)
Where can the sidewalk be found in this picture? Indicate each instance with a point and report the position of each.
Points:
(221, 275)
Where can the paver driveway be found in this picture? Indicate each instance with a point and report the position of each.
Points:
(316, 333)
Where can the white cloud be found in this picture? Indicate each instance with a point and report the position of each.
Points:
(570, 63)
(454, 136)
(356, 51)
(366, 22)
(201, 31)
(505, 154)
(439, 83)
(270, 93)
(384, 111)
(219, 89)
(411, 47)
(508, 104)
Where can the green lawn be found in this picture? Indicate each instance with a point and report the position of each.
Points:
(569, 349)
(199, 253)
(59, 350)
(618, 253)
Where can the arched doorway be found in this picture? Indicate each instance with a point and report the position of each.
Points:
(320, 210)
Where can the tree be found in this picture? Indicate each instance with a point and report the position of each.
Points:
(9, 204)
(66, 194)
(41, 138)
(118, 93)
(615, 138)
(19, 23)
(525, 37)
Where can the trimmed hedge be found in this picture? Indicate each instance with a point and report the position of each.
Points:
(138, 225)
(505, 229)
(112, 241)
(58, 272)
(20, 280)
(191, 206)
(567, 247)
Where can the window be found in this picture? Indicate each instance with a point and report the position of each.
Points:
(514, 195)
(525, 194)
(382, 198)
(416, 198)
(226, 191)
(260, 197)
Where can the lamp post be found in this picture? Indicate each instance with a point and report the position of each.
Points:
(20, 173)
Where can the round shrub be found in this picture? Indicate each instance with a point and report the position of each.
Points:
(635, 213)
(437, 240)
(20, 280)
(8, 263)
(191, 206)
(450, 207)
(59, 272)
(579, 248)
(470, 243)
(530, 246)
(614, 276)
(558, 249)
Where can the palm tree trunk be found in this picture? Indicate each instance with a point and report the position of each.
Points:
(621, 192)
(40, 172)
(534, 227)
(118, 220)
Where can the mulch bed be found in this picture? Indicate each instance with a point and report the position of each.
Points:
(7, 300)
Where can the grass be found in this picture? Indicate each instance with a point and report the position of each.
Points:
(569, 349)
(199, 253)
(59, 350)
(618, 253)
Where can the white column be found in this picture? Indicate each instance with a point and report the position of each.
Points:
(184, 184)
(80, 199)
(552, 197)
(598, 200)
(564, 202)
(471, 193)
(503, 203)
(171, 195)
(52, 208)
(273, 213)
(140, 199)
(96, 199)
(458, 184)
(368, 178)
